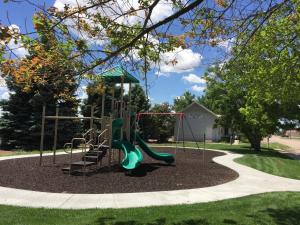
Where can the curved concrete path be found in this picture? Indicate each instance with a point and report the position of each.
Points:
(250, 181)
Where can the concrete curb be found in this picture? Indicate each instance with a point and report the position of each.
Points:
(249, 182)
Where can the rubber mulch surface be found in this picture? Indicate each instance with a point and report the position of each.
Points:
(188, 171)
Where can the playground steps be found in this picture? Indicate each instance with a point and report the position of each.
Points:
(78, 166)
(99, 148)
(91, 158)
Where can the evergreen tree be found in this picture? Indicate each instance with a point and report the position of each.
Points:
(45, 77)
(139, 99)
(140, 103)
(95, 92)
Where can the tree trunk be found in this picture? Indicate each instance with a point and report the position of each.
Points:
(255, 144)
(254, 140)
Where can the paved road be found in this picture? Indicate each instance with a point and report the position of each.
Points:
(3, 152)
(294, 144)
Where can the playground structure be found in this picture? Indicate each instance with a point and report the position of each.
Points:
(114, 135)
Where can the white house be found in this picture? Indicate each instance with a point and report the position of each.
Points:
(197, 122)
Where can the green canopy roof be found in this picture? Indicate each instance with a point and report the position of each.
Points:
(116, 74)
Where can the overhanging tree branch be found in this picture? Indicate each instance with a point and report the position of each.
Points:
(145, 31)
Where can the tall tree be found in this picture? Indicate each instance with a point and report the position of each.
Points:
(45, 76)
(139, 99)
(261, 82)
(140, 103)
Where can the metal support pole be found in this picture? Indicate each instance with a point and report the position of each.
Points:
(102, 104)
(183, 137)
(122, 93)
(42, 134)
(204, 137)
(121, 114)
(113, 100)
(92, 121)
(204, 140)
(55, 135)
(129, 113)
(110, 141)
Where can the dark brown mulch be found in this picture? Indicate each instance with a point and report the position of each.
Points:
(189, 171)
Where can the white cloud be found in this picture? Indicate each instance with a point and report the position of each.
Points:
(126, 88)
(60, 4)
(99, 39)
(193, 78)
(177, 61)
(81, 92)
(17, 48)
(4, 93)
(15, 44)
(113, 10)
(198, 88)
(161, 11)
(2, 81)
(180, 60)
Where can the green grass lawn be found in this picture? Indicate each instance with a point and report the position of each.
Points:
(268, 160)
(224, 146)
(268, 209)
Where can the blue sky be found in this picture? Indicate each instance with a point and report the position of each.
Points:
(173, 80)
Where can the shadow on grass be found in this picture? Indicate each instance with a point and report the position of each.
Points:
(244, 150)
(160, 221)
(284, 216)
(287, 216)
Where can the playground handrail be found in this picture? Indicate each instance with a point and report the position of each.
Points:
(65, 146)
(99, 136)
(71, 156)
(87, 132)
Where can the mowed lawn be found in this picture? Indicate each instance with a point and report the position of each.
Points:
(267, 160)
(264, 209)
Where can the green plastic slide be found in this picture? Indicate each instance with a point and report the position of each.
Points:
(168, 158)
(132, 155)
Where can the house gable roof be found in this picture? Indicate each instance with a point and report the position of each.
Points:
(201, 106)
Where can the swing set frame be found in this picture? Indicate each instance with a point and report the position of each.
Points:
(182, 117)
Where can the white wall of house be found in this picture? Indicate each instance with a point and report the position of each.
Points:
(197, 121)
